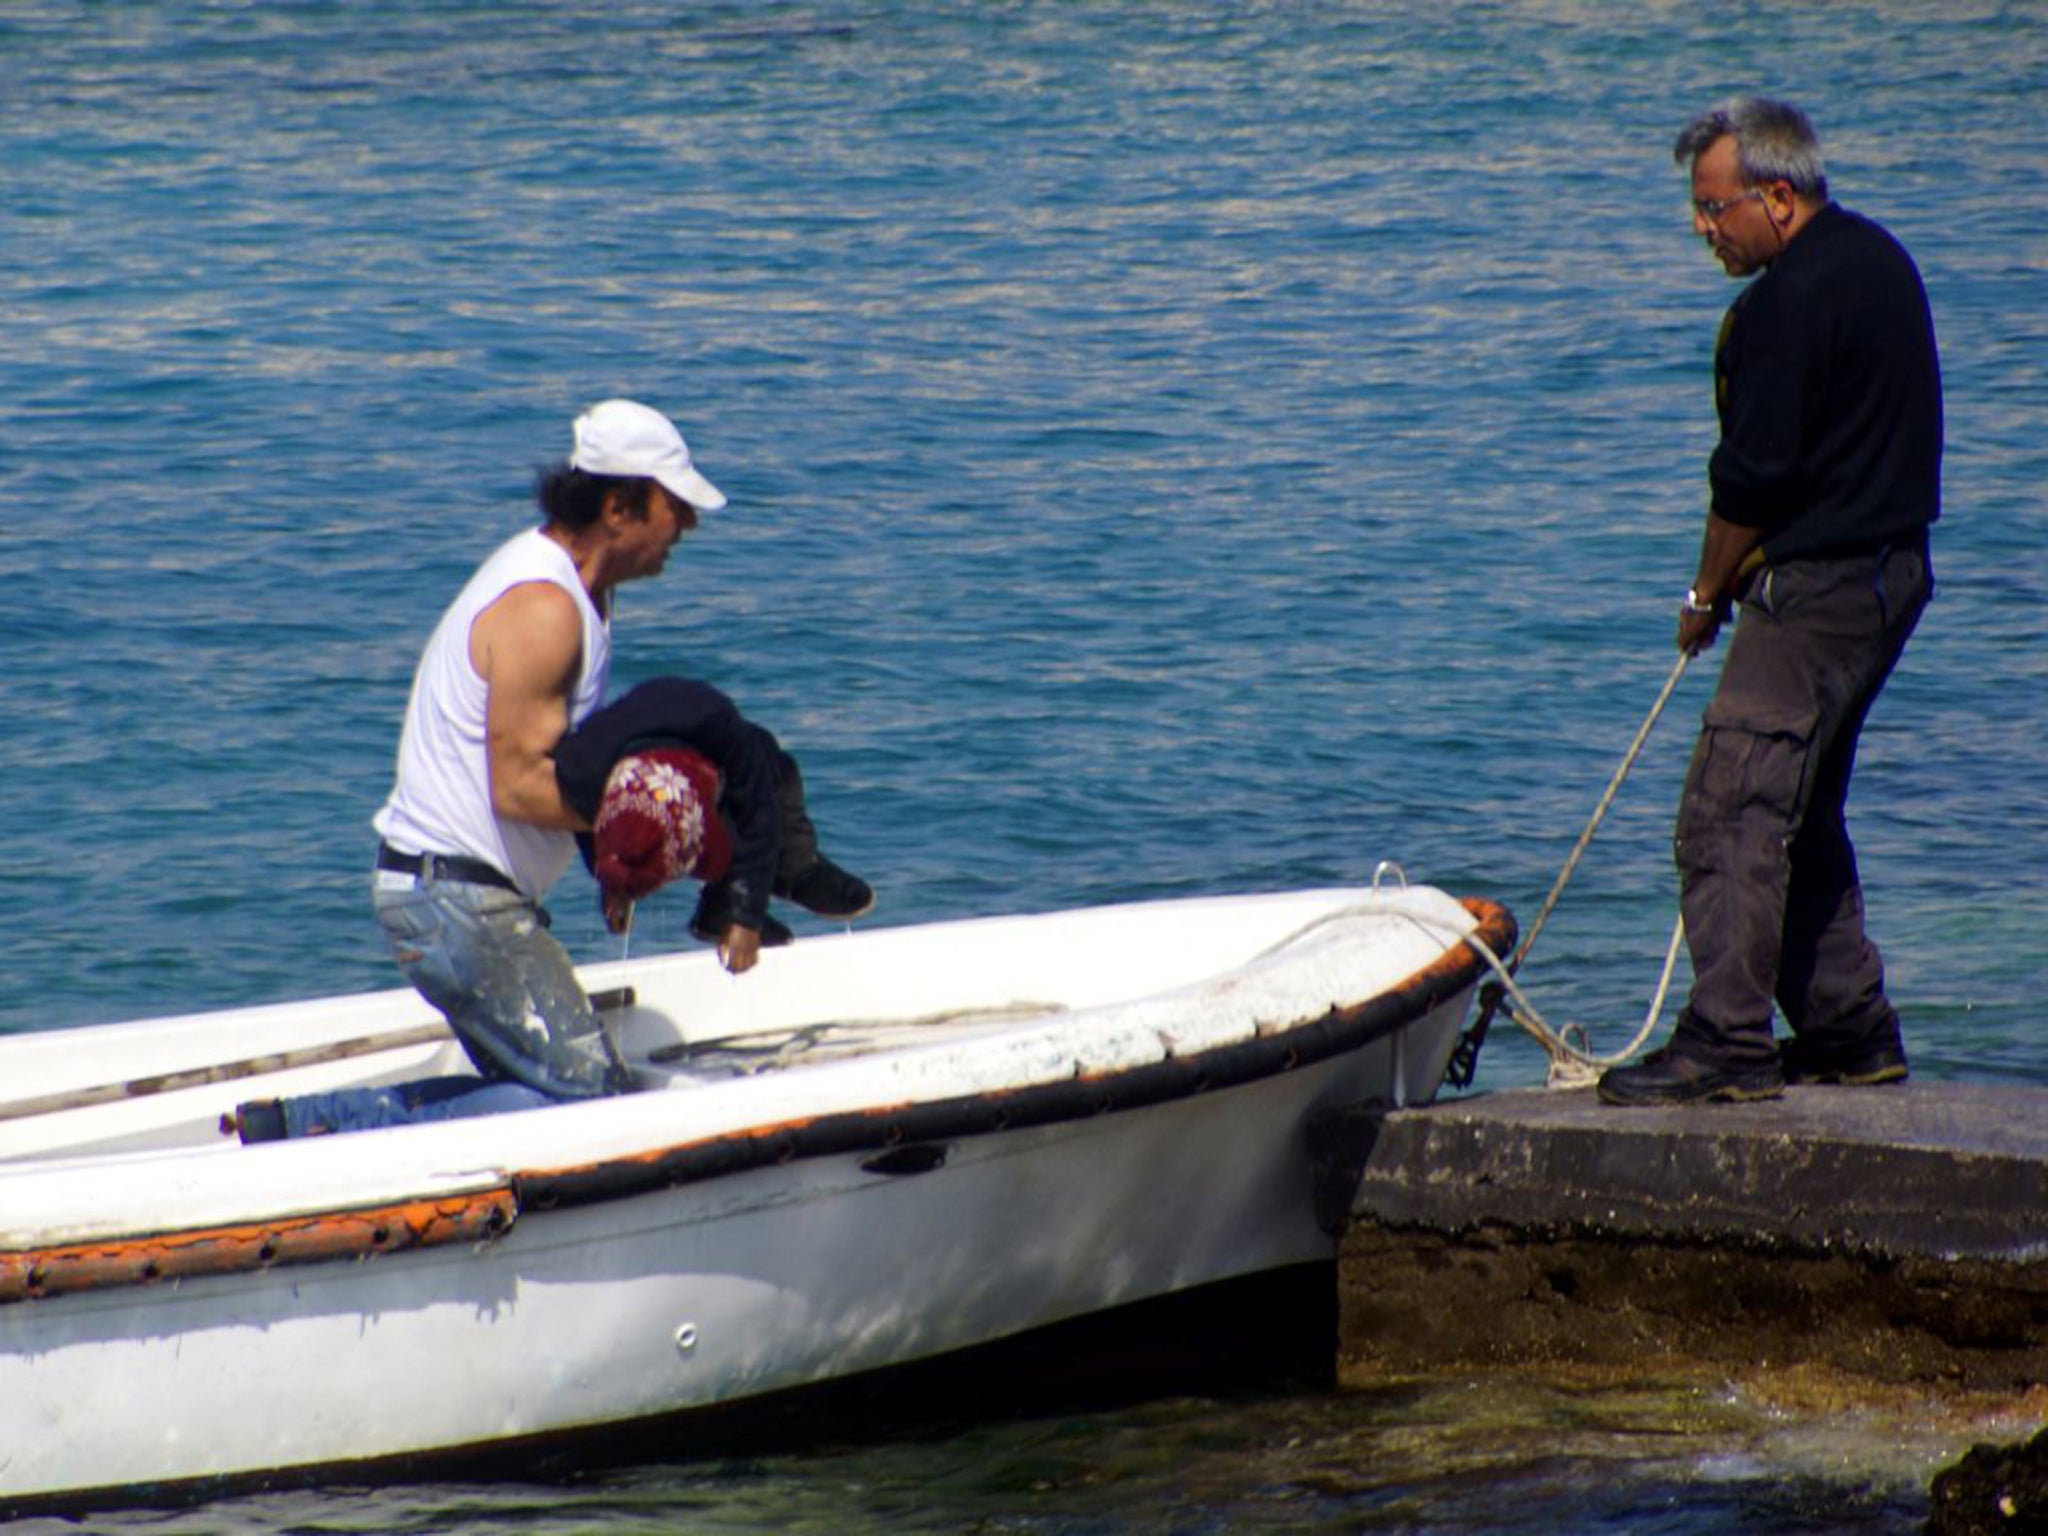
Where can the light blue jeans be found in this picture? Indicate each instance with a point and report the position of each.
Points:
(430, 1098)
(485, 958)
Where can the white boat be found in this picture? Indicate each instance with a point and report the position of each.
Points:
(871, 1150)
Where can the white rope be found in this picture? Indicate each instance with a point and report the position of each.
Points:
(1574, 1065)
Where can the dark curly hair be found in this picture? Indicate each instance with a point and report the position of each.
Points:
(574, 498)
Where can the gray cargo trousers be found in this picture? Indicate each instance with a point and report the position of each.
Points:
(1768, 884)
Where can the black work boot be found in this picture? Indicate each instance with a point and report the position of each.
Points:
(258, 1120)
(829, 891)
(1671, 1077)
(1855, 1063)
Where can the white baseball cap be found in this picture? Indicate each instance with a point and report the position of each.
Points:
(623, 437)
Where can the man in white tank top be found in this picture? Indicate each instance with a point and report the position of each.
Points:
(475, 830)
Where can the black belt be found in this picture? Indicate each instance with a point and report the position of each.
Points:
(443, 866)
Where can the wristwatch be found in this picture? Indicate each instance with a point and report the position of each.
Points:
(1692, 603)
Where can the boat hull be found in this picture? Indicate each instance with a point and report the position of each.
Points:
(647, 1285)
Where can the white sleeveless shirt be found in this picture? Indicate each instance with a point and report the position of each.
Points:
(441, 802)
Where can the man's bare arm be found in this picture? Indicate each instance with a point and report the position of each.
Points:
(528, 646)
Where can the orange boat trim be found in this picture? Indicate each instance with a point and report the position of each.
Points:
(360, 1234)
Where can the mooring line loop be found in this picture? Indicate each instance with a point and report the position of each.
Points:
(1570, 1065)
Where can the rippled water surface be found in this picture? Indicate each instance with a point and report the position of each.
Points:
(1173, 449)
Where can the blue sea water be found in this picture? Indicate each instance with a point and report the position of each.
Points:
(1173, 449)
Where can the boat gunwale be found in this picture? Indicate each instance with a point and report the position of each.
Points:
(1342, 1029)
(480, 1217)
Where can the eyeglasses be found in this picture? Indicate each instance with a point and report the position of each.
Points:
(1712, 208)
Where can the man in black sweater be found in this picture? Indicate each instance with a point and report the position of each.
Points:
(1824, 484)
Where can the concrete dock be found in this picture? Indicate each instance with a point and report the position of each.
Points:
(1897, 1233)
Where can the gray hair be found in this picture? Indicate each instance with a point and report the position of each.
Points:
(1774, 141)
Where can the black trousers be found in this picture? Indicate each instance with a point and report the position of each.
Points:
(1768, 884)
(797, 849)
